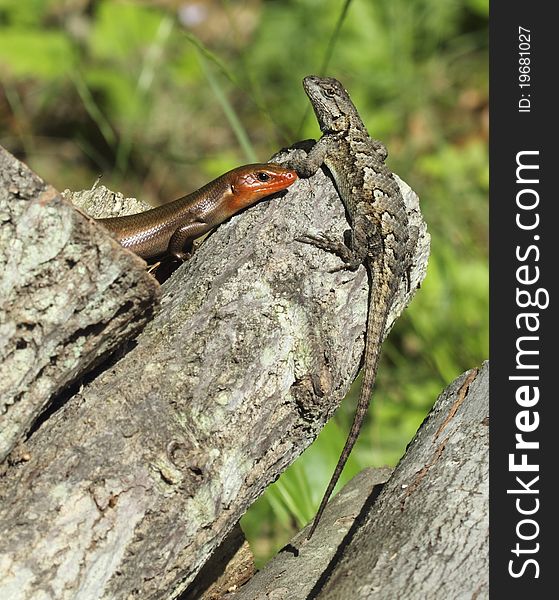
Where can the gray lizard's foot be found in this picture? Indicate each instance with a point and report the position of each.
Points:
(351, 262)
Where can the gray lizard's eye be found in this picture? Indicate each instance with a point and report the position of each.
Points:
(262, 176)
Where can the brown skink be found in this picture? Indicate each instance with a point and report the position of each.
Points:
(171, 228)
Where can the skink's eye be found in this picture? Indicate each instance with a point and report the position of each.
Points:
(262, 176)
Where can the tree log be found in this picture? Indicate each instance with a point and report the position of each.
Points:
(69, 295)
(426, 535)
(137, 479)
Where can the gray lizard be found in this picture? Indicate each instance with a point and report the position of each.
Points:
(381, 237)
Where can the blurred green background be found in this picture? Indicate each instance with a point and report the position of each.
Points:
(161, 96)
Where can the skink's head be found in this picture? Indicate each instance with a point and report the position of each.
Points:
(253, 182)
(330, 101)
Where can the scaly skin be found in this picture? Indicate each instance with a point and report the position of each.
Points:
(381, 237)
(171, 228)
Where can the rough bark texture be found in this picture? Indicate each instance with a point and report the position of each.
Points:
(100, 202)
(137, 479)
(426, 535)
(300, 569)
(230, 566)
(69, 295)
(433, 516)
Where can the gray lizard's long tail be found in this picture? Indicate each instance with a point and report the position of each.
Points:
(381, 296)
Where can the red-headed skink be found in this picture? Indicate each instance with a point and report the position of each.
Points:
(170, 228)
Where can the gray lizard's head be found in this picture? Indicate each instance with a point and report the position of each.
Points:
(332, 104)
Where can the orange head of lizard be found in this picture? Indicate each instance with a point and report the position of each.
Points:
(253, 182)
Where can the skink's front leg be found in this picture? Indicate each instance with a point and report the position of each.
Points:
(180, 244)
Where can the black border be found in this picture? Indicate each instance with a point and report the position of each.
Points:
(512, 131)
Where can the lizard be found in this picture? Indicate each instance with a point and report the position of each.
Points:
(381, 237)
(171, 228)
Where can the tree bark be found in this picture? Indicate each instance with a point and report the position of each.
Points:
(425, 535)
(137, 479)
(69, 295)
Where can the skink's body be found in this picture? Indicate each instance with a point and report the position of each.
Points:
(170, 228)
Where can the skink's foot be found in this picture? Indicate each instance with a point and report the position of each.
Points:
(182, 256)
(153, 268)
